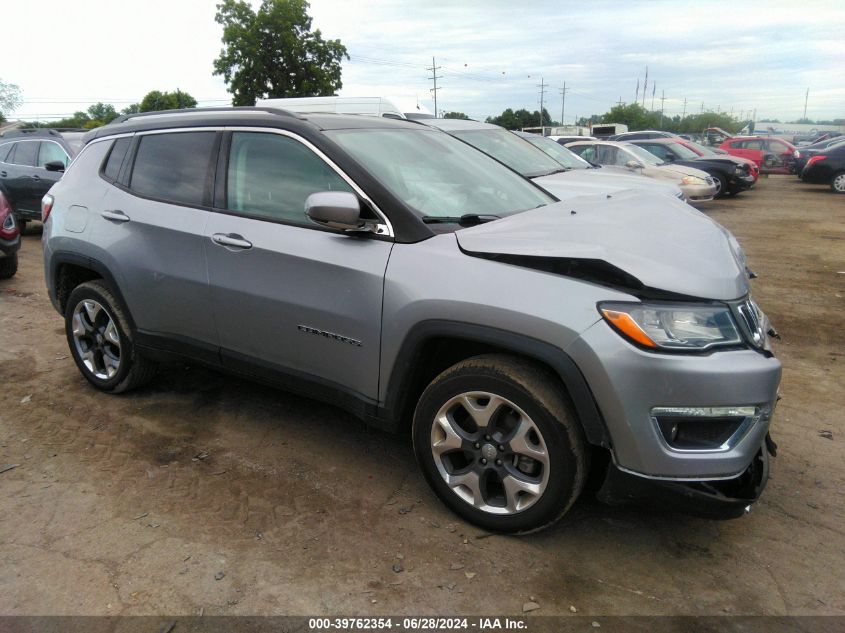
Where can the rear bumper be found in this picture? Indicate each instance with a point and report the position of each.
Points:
(10, 247)
(722, 499)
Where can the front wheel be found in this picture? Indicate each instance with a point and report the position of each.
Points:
(101, 341)
(838, 182)
(499, 444)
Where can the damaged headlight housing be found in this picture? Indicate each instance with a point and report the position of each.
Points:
(673, 327)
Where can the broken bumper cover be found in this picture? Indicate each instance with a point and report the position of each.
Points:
(721, 499)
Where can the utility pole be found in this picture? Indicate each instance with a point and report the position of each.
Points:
(637, 93)
(645, 85)
(684, 115)
(662, 99)
(653, 90)
(619, 103)
(562, 102)
(434, 68)
(806, 96)
(702, 107)
(542, 88)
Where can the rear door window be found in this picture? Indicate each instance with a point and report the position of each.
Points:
(111, 169)
(5, 150)
(270, 176)
(174, 167)
(26, 153)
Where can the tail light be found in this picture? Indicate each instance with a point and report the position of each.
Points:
(8, 226)
(815, 159)
(46, 207)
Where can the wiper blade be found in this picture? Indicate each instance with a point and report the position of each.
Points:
(466, 219)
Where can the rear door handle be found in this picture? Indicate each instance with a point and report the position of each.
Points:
(116, 215)
(3, 174)
(231, 239)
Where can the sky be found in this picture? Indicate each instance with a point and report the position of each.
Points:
(735, 56)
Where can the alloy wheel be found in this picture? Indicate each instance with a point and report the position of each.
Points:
(839, 183)
(490, 453)
(96, 339)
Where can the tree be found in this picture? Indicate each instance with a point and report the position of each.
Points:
(455, 115)
(10, 98)
(156, 100)
(134, 108)
(516, 120)
(102, 112)
(273, 52)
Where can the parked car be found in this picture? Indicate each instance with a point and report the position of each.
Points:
(10, 240)
(563, 140)
(714, 152)
(772, 155)
(642, 135)
(729, 177)
(31, 161)
(827, 167)
(804, 153)
(696, 184)
(392, 270)
(565, 178)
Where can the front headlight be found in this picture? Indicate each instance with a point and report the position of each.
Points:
(692, 180)
(673, 327)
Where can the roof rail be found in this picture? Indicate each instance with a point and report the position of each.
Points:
(30, 131)
(278, 111)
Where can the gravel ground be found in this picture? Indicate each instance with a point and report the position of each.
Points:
(206, 493)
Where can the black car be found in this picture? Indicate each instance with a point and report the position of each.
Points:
(827, 167)
(804, 153)
(730, 176)
(31, 161)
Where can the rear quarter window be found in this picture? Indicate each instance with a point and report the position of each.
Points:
(4, 151)
(174, 167)
(111, 168)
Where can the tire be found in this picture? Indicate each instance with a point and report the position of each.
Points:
(101, 340)
(8, 266)
(837, 183)
(519, 463)
(721, 186)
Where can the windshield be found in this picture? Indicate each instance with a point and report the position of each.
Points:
(565, 157)
(511, 150)
(684, 152)
(437, 175)
(642, 155)
(702, 149)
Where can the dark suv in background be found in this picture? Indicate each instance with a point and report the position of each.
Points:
(32, 161)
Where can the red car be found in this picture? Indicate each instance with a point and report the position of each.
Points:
(703, 150)
(772, 155)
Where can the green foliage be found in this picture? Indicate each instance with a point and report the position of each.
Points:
(134, 108)
(637, 117)
(455, 115)
(516, 120)
(102, 112)
(273, 52)
(157, 100)
(10, 98)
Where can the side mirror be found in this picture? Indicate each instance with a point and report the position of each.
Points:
(634, 164)
(54, 165)
(669, 158)
(335, 210)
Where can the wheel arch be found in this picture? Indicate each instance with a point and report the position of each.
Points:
(69, 270)
(432, 346)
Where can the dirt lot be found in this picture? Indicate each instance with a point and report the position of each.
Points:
(204, 492)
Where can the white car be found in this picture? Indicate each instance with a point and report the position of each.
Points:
(697, 185)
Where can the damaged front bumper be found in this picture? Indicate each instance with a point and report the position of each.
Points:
(720, 499)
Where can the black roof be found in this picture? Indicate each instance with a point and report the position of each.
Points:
(242, 116)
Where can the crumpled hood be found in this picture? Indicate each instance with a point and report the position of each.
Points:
(580, 182)
(662, 242)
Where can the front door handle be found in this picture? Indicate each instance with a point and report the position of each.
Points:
(3, 174)
(231, 239)
(116, 215)
(36, 177)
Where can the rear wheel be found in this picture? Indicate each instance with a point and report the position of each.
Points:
(499, 444)
(101, 340)
(838, 182)
(8, 266)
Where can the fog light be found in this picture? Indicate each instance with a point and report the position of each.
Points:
(705, 428)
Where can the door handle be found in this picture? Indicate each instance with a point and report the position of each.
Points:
(231, 239)
(36, 177)
(116, 215)
(3, 174)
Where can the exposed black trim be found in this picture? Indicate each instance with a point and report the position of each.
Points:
(402, 374)
(170, 347)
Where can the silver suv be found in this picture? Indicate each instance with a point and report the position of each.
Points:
(395, 271)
